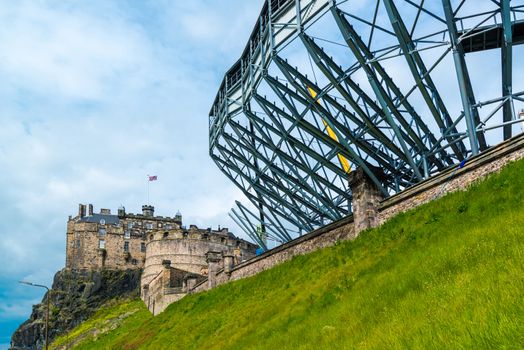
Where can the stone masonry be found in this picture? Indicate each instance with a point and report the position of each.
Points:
(366, 198)
(366, 203)
(104, 240)
(177, 260)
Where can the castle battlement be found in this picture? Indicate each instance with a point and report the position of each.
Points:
(121, 240)
(174, 258)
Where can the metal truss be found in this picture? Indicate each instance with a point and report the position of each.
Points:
(325, 86)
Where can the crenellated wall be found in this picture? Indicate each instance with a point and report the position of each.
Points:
(187, 250)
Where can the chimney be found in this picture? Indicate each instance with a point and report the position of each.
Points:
(121, 212)
(81, 210)
(178, 218)
(90, 210)
(148, 210)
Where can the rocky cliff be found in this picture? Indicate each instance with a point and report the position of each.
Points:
(74, 297)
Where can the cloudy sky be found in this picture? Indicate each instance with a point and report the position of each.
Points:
(95, 95)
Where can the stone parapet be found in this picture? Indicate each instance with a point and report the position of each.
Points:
(366, 197)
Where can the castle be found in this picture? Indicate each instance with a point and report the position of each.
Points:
(173, 258)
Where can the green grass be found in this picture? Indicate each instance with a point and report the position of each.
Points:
(449, 274)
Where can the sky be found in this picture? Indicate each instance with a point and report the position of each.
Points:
(95, 96)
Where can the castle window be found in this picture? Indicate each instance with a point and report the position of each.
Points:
(160, 224)
(134, 262)
(77, 243)
(149, 226)
(102, 222)
(168, 226)
(126, 247)
(143, 247)
(166, 234)
(222, 240)
(150, 237)
(102, 244)
(101, 231)
(130, 224)
(127, 234)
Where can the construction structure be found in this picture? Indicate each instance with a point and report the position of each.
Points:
(400, 89)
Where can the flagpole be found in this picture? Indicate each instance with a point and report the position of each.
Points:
(148, 189)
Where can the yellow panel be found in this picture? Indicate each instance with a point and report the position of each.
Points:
(343, 160)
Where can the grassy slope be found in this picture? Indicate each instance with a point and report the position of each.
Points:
(449, 274)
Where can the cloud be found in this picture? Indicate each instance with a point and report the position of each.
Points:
(95, 96)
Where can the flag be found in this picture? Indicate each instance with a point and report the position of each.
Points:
(152, 178)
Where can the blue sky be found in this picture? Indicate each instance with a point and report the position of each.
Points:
(96, 95)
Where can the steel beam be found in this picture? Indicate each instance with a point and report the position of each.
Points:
(308, 193)
(422, 78)
(476, 139)
(507, 68)
(276, 205)
(344, 146)
(372, 69)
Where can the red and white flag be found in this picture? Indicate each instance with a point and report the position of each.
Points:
(152, 177)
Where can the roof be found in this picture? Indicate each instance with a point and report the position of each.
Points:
(109, 219)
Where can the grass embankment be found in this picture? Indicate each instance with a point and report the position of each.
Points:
(449, 274)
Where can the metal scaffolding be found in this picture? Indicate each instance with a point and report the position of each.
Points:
(325, 86)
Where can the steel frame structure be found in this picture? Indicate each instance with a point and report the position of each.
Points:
(279, 134)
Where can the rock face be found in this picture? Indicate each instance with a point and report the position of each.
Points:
(74, 297)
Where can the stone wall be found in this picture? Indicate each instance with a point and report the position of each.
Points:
(187, 250)
(453, 178)
(375, 213)
(323, 237)
(169, 285)
(83, 241)
(158, 295)
(103, 240)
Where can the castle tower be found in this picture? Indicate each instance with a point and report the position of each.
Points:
(178, 218)
(148, 210)
(121, 212)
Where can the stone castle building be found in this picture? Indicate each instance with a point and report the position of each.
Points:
(169, 254)
(123, 241)
(106, 240)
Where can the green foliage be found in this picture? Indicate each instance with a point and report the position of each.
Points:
(446, 275)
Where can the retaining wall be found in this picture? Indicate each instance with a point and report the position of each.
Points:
(449, 180)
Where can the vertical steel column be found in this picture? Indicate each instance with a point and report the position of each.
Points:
(507, 68)
(466, 91)
(422, 77)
